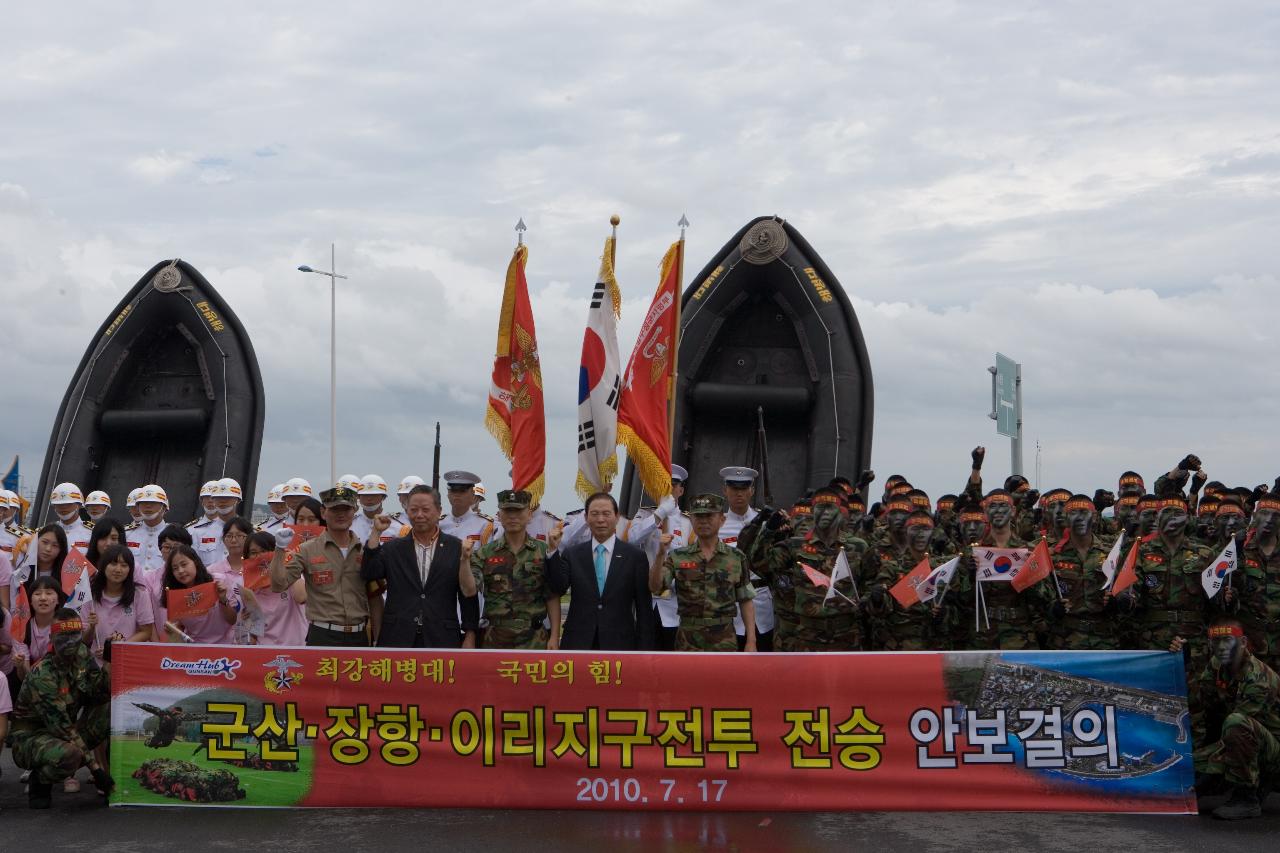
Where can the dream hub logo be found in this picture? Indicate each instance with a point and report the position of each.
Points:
(205, 667)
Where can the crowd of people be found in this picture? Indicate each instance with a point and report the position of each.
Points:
(837, 571)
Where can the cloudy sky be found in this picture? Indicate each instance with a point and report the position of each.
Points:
(1092, 189)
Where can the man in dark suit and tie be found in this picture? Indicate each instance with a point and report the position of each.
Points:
(429, 580)
(609, 606)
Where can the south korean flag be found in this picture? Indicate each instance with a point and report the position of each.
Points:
(1216, 573)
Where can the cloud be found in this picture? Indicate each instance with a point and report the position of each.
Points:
(1095, 194)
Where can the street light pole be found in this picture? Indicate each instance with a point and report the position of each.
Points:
(332, 273)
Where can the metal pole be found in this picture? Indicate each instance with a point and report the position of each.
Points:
(333, 365)
(1016, 442)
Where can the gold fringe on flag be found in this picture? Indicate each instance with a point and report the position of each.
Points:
(653, 474)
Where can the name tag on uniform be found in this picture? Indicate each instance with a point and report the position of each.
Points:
(208, 540)
(686, 566)
(731, 540)
(134, 544)
(322, 578)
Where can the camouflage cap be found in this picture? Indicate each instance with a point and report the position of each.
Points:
(706, 504)
(514, 499)
(339, 496)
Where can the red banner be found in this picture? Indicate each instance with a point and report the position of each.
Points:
(252, 725)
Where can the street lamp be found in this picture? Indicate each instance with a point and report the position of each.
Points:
(333, 358)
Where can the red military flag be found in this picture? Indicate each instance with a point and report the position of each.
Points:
(515, 414)
(905, 591)
(1038, 567)
(303, 533)
(20, 616)
(648, 383)
(1128, 574)
(193, 601)
(255, 572)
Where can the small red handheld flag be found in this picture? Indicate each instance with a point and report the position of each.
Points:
(20, 616)
(194, 601)
(904, 591)
(1128, 574)
(303, 533)
(255, 572)
(1036, 569)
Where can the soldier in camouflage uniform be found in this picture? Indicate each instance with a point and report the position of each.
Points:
(1053, 515)
(821, 625)
(1147, 510)
(62, 712)
(915, 628)
(1010, 621)
(1235, 722)
(1228, 522)
(1254, 590)
(1168, 599)
(1088, 620)
(1206, 532)
(945, 530)
(1126, 517)
(511, 572)
(712, 583)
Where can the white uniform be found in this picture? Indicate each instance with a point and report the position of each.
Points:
(733, 524)
(144, 541)
(78, 533)
(206, 539)
(363, 526)
(274, 523)
(9, 535)
(644, 531)
(472, 527)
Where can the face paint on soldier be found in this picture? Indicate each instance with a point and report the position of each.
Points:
(827, 515)
(1147, 521)
(918, 536)
(1173, 522)
(1229, 524)
(972, 529)
(64, 643)
(1081, 522)
(999, 514)
(1227, 650)
(1264, 521)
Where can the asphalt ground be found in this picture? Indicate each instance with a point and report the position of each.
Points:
(81, 822)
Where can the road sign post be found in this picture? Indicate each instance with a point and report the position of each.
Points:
(1006, 405)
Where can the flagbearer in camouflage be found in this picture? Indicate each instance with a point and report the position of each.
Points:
(822, 623)
(712, 583)
(1089, 618)
(1169, 598)
(896, 628)
(1235, 722)
(62, 712)
(511, 572)
(1011, 614)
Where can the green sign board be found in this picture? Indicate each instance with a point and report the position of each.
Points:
(1006, 396)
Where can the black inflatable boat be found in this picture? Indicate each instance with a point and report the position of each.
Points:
(766, 325)
(169, 392)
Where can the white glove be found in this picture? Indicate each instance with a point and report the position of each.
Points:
(666, 508)
(284, 535)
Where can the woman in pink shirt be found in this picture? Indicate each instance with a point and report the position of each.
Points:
(120, 609)
(50, 546)
(249, 622)
(184, 570)
(46, 596)
(285, 614)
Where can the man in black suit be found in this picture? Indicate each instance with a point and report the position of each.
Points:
(610, 606)
(429, 580)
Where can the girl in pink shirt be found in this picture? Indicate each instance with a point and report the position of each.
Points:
(285, 614)
(184, 570)
(46, 596)
(249, 621)
(120, 609)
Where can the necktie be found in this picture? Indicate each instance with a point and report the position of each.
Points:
(601, 568)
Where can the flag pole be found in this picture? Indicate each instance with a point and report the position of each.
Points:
(613, 246)
(675, 356)
(520, 229)
(1053, 571)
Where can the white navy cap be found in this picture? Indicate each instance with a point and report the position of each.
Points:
(460, 479)
(678, 473)
(734, 475)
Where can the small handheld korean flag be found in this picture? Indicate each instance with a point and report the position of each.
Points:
(1222, 566)
(1108, 567)
(998, 565)
(75, 579)
(841, 571)
(928, 590)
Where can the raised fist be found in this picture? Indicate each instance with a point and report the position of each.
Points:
(777, 520)
(1198, 480)
(381, 523)
(978, 454)
(284, 536)
(1103, 499)
(868, 476)
(1190, 462)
